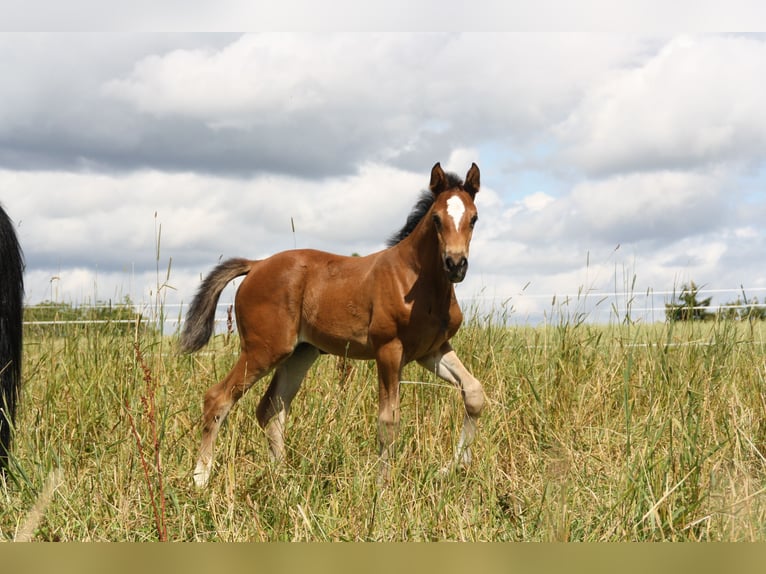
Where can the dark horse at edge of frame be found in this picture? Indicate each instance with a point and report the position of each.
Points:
(11, 314)
(394, 306)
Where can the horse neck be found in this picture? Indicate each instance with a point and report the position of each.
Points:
(420, 250)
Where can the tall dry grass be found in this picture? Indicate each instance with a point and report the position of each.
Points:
(621, 432)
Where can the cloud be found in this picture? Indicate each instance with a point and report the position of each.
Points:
(648, 207)
(585, 141)
(696, 103)
(666, 227)
(113, 223)
(308, 105)
(653, 207)
(300, 104)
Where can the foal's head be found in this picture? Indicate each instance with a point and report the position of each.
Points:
(454, 215)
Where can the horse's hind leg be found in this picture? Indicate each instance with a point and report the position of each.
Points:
(446, 364)
(219, 399)
(275, 405)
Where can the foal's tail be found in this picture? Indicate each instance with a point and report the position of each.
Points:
(200, 318)
(11, 314)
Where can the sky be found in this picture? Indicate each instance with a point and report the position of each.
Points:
(613, 165)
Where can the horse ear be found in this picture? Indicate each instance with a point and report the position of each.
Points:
(472, 180)
(438, 179)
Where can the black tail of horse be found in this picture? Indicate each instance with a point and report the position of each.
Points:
(11, 295)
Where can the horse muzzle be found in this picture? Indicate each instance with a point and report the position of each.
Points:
(456, 267)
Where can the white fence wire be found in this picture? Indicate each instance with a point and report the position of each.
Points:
(520, 308)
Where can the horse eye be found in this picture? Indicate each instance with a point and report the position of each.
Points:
(437, 222)
(474, 219)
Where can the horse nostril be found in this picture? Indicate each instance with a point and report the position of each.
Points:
(453, 265)
(456, 270)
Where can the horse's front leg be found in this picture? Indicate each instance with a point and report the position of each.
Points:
(389, 363)
(446, 364)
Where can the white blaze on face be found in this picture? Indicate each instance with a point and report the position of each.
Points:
(456, 209)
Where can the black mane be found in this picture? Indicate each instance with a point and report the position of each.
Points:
(424, 203)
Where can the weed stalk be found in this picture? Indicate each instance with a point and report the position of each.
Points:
(150, 410)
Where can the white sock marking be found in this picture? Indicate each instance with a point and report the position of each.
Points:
(201, 474)
(455, 209)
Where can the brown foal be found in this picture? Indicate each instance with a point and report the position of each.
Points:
(394, 306)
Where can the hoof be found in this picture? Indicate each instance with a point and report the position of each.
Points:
(201, 475)
(461, 461)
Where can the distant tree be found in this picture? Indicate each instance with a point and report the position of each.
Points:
(731, 310)
(743, 309)
(755, 312)
(688, 307)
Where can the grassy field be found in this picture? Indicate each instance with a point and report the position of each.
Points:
(592, 433)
